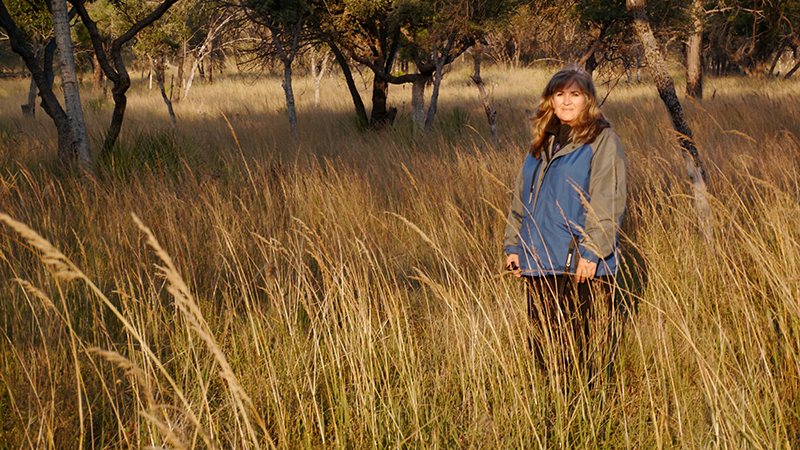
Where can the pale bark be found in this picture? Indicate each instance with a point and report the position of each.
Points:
(150, 73)
(79, 148)
(160, 72)
(204, 50)
(437, 82)
(318, 71)
(491, 113)
(210, 69)
(791, 72)
(289, 93)
(181, 62)
(694, 50)
(29, 110)
(666, 90)
(418, 104)
(287, 57)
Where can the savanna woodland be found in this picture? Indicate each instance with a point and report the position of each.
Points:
(257, 224)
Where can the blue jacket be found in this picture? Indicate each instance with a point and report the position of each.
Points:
(580, 191)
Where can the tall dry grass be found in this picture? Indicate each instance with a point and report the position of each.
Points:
(223, 285)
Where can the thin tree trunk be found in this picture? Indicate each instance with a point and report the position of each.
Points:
(97, 74)
(791, 72)
(491, 113)
(318, 73)
(160, 72)
(361, 111)
(210, 68)
(777, 58)
(694, 53)
(29, 110)
(42, 75)
(79, 148)
(438, 74)
(666, 90)
(289, 93)
(589, 59)
(181, 63)
(191, 77)
(418, 104)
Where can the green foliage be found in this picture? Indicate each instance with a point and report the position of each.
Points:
(32, 17)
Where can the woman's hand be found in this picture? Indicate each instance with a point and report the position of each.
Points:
(585, 270)
(512, 264)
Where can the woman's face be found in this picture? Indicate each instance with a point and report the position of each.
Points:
(568, 102)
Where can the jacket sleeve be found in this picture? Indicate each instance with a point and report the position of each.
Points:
(608, 194)
(514, 221)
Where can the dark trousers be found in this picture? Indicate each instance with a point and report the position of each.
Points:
(571, 322)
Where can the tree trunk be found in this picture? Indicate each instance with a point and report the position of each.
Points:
(361, 111)
(694, 52)
(191, 77)
(79, 149)
(666, 90)
(491, 113)
(318, 71)
(438, 74)
(29, 110)
(160, 72)
(117, 73)
(777, 58)
(43, 77)
(791, 72)
(418, 104)
(289, 93)
(210, 68)
(589, 59)
(181, 63)
(380, 94)
(97, 74)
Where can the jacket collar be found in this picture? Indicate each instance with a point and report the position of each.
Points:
(560, 135)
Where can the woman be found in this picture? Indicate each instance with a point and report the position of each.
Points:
(569, 198)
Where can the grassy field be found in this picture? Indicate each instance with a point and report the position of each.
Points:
(223, 285)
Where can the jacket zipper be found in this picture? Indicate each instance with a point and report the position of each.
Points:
(541, 178)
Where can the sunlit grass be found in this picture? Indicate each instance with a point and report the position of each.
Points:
(344, 289)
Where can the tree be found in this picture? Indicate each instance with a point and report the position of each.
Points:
(747, 34)
(43, 76)
(376, 33)
(69, 83)
(113, 63)
(666, 90)
(281, 25)
(34, 20)
(694, 52)
(491, 113)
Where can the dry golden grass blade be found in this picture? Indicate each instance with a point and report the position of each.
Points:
(186, 303)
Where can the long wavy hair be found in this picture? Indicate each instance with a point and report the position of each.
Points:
(585, 128)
